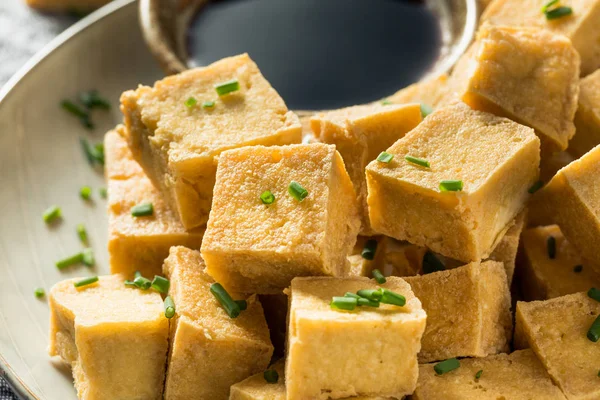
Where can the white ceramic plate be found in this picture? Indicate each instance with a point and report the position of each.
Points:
(41, 164)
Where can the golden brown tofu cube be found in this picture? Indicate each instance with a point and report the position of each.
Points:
(506, 250)
(495, 159)
(138, 243)
(106, 331)
(254, 247)
(403, 258)
(528, 75)
(581, 27)
(66, 5)
(360, 133)
(368, 254)
(556, 330)
(433, 92)
(366, 352)
(515, 376)
(178, 145)
(587, 118)
(468, 311)
(552, 163)
(209, 351)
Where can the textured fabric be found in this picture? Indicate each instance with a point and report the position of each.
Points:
(5, 392)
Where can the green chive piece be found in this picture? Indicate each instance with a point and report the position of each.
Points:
(69, 261)
(93, 154)
(142, 283)
(371, 294)
(378, 276)
(366, 302)
(578, 269)
(99, 153)
(418, 161)
(297, 191)
(343, 303)
(227, 87)
(130, 283)
(426, 110)
(39, 292)
(85, 192)
(549, 4)
(535, 187)
(86, 282)
(368, 252)
(82, 233)
(271, 376)
(51, 214)
(446, 366)
(594, 293)
(354, 295)
(103, 192)
(169, 307)
(231, 307)
(243, 304)
(78, 112)
(88, 257)
(191, 102)
(386, 102)
(594, 331)
(142, 210)
(137, 274)
(160, 284)
(551, 246)
(267, 197)
(451, 186)
(389, 297)
(558, 12)
(92, 99)
(478, 374)
(208, 104)
(431, 263)
(385, 157)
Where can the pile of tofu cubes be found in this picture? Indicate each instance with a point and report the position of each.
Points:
(492, 197)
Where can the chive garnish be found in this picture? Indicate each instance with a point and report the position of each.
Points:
(243, 304)
(271, 376)
(94, 154)
(478, 374)
(368, 252)
(549, 4)
(88, 257)
(558, 12)
(86, 282)
(191, 102)
(82, 233)
(169, 307)
(378, 276)
(69, 261)
(371, 294)
(451, 185)
(51, 214)
(142, 283)
(231, 307)
(446, 366)
(535, 187)
(297, 191)
(418, 161)
(142, 210)
(83, 115)
(431, 263)
(425, 110)
(99, 153)
(578, 269)
(103, 192)
(160, 284)
(39, 292)
(551, 247)
(593, 333)
(92, 99)
(389, 297)
(386, 102)
(594, 293)
(267, 197)
(208, 104)
(343, 303)
(354, 295)
(227, 87)
(366, 302)
(385, 157)
(85, 192)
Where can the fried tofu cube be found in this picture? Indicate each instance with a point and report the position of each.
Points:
(366, 352)
(209, 350)
(495, 159)
(66, 5)
(556, 330)
(506, 250)
(587, 117)
(106, 331)
(178, 144)
(581, 27)
(403, 258)
(528, 75)
(368, 254)
(252, 247)
(468, 311)
(518, 375)
(360, 134)
(552, 163)
(138, 243)
(433, 92)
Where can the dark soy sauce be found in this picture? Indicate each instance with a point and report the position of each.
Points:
(322, 54)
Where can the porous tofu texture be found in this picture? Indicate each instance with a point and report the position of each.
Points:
(497, 161)
(515, 376)
(556, 331)
(209, 351)
(587, 118)
(138, 243)
(506, 250)
(178, 146)
(253, 247)
(433, 92)
(581, 27)
(468, 311)
(367, 352)
(66, 5)
(543, 277)
(528, 75)
(106, 331)
(360, 133)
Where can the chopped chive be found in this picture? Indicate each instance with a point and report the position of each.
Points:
(88, 257)
(343, 303)
(431, 263)
(142, 283)
(478, 374)
(271, 376)
(558, 12)
(191, 102)
(418, 161)
(85, 192)
(227, 87)
(82, 233)
(137, 274)
(371, 294)
(208, 104)
(142, 210)
(385, 157)
(83, 115)
(160, 284)
(297, 191)
(451, 185)
(51, 214)
(446, 366)
(103, 192)
(594, 293)
(425, 110)
(93, 154)
(386, 102)
(578, 269)
(267, 197)
(549, 4)
(231, 307)
(378, 276)
(130, 283)
(86, 281)
(535, 187)
(169, 307)
(389, 297)
(354, 295)
(551, 247)
(39, 292)
(594, 332)
(69, 261)
(243, 304)
(99, 153)
(92, 99)
(366, 302)
(368, 252)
